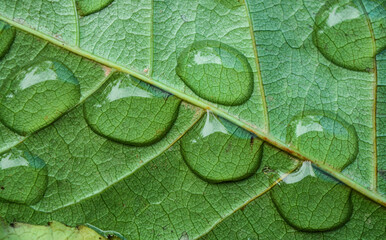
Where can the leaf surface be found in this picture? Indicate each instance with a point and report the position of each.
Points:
(132, 154)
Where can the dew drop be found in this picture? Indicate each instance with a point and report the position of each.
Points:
(324, 136)
(23, 177)
(218, 151)
(342, 35)
(129, 111)
(7, 36)
(87, 7)
(37, 96)
(310, 200)
(216, 72)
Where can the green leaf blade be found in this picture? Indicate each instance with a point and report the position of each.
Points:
(149, 192)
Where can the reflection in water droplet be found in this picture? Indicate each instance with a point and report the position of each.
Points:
(217, 150)
(310, 200)
(7, 36)
(324, 136)
(23, 177)
(87, 7)
(184, 236)
(342, 35)
(130, 111)
(304, 171)
(216, 72)
(37, 96)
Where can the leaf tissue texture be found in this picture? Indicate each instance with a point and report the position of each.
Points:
(208, 119)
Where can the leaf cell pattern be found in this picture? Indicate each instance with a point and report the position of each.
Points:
(119, 117)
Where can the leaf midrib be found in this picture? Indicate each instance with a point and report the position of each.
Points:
(205, 105)
(374, 110)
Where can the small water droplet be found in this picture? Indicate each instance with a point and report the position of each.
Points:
(37, 96)
(216, 72)
(23, 177)
(310, 200)
(87, 7)
(324, 136)
(7, 36)
(129, 111)
(342, 35)
(217, 150)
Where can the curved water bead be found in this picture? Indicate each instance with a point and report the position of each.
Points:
(37, 95)
(342, 35)
(7, 36)
(310, 200)
(216, 72)
(87, 7)
(23, 177)
(218, 151)
(324, 136)
(129, 111)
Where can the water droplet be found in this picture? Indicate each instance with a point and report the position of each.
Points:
(310, 200)
(129, 111)
(342, 35)
(37, 96)
(216, 72)
(23, 177)
(87, 7)
(7, 36)
(324, 136)
(217, 150)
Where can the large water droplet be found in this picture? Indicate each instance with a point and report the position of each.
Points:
(37, 96)
(87, 7)
(23, 177)
(217, 150)
(342, 35)
(131, 112)
(310, 200)
(7, 36)
(324, 136)
(216, 72)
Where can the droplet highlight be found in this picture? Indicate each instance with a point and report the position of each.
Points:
(87, 7)
(312, 201)
(23, 177)
(132, 112)
(216, 72)
(37, 96)
(219, 151)
(342, 35)
(324, 136)
(7, 36)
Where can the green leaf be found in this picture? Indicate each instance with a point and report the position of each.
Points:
(54, 230)
(103, 122)
(260, 220)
